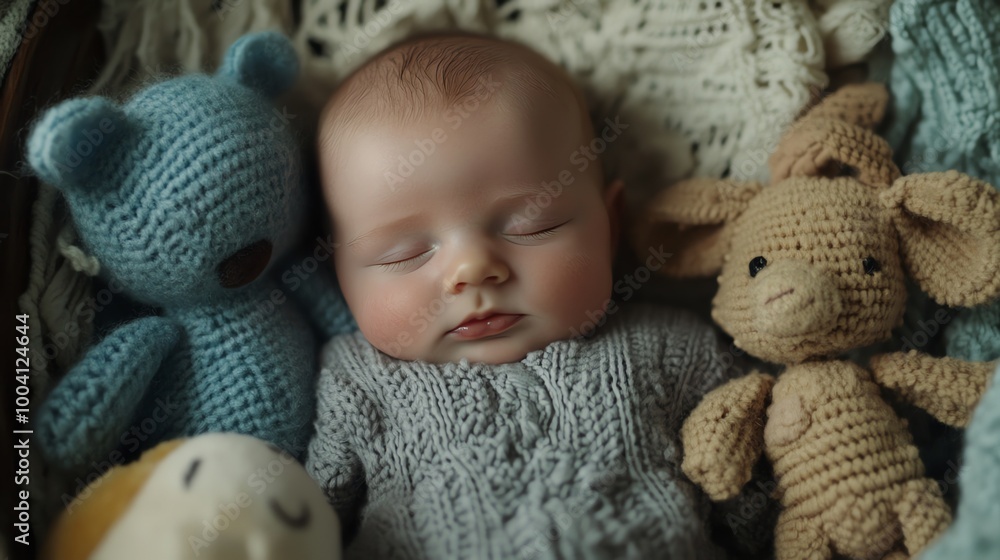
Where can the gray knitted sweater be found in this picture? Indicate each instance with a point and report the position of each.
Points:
(573, 452)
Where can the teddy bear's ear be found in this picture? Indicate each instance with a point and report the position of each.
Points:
(263, 61)
(949, 235)
(68, 144)
(689, 220)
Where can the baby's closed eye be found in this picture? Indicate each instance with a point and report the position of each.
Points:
(397, 260)
(529, 231)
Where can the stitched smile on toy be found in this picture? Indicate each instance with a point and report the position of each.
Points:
(245, 265)
(299, 522)
(780, 295)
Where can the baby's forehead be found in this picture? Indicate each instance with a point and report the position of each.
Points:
(429, 75)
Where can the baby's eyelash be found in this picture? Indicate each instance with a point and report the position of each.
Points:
(393, 266)
(541, 234)
(396, 265)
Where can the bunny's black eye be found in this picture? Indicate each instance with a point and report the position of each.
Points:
(756, 264)
(871, 266)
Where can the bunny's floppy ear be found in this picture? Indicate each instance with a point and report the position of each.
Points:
(263, 61)
(69, 145)
(862, 105)
(949, 234)
(836, 138)
(689, 219)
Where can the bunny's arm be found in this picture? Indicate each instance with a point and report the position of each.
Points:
(724, 436)
(948, 388)
(83, 418)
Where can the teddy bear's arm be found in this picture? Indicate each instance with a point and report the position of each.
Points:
(88, 411)
(724, 436)
(948, 388)
(322, 302)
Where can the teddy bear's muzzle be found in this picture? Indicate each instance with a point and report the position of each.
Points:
(245, 265)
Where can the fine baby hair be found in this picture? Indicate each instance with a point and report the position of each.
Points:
(813, 266)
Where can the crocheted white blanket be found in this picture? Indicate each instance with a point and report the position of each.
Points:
(707, 85)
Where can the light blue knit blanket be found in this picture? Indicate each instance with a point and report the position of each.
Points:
(945, 84)
(573, 452)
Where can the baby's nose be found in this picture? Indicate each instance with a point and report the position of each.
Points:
(475, 268)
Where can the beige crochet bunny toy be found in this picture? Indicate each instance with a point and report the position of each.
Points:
(813, 266)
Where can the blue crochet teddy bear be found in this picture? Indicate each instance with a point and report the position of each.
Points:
(185, 194)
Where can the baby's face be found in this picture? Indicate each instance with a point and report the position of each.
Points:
(472, 234)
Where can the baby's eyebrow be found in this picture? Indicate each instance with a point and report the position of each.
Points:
(521, 189)
(388, 228)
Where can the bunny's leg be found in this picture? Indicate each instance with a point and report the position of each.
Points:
(923, 514)
(798, 538)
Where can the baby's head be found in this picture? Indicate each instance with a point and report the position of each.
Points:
(468, 221)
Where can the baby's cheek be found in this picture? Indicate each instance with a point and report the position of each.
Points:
(384, 317)
(577, 282)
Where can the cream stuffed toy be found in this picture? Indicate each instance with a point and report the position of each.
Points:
(813, 266)
(219, 496)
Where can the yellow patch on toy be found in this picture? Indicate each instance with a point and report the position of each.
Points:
(216, 496)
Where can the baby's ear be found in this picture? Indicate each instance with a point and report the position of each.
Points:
(69, 143)
(689, 219)
(614, 196)
(263, 61)
(949, 235)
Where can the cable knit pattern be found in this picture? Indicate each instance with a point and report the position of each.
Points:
(184, 194)
(946, 95)
(572, 452)
(944, 81)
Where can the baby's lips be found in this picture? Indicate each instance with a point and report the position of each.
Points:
(487, 326)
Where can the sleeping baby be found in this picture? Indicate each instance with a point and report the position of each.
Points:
(496, 403)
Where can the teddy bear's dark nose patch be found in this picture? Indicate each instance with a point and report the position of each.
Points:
(245, 265)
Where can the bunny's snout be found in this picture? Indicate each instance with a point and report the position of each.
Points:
(794, 298)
